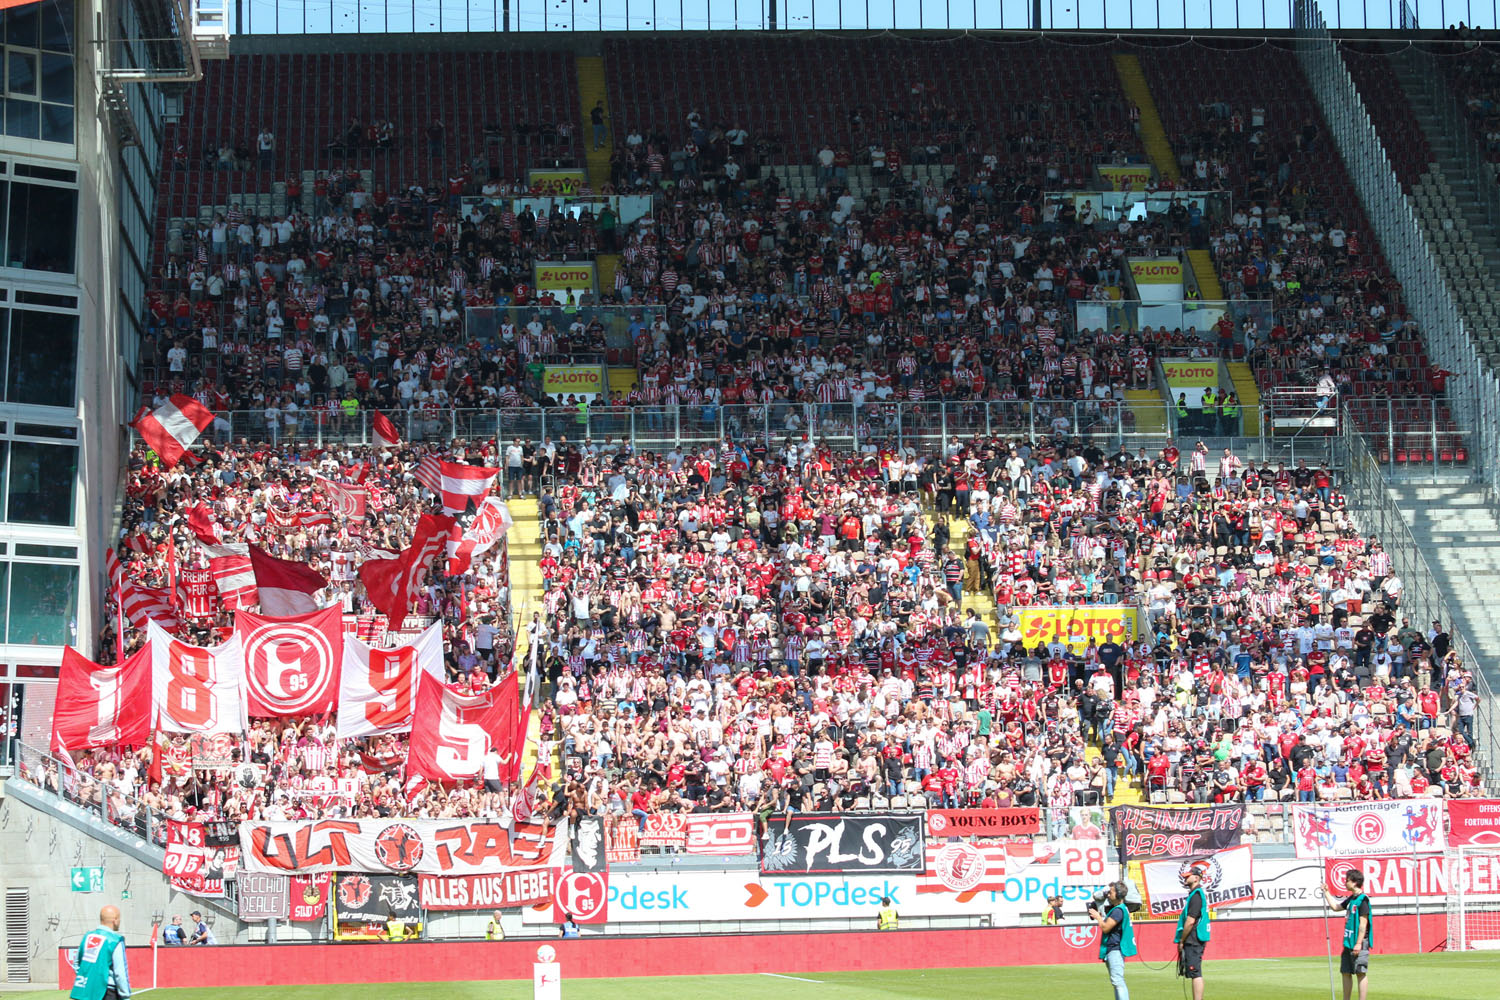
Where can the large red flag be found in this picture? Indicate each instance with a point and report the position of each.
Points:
(285, 586)
(386, 435)
(291, 663)
(392, 583)
(452, 732)
(101, 706)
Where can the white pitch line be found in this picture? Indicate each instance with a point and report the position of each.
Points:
(798, 978)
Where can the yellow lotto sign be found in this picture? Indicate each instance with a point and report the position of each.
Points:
(1156, 271)
(1191, 373)
(554, 182)
(560, 277)
(1075, 626)
(1130, 177)
(559, 381)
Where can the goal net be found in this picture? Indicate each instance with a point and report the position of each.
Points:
(1473, 900)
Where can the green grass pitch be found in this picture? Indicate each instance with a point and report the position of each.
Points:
(1468, 976)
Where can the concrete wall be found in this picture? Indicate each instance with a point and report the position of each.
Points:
(40, 844)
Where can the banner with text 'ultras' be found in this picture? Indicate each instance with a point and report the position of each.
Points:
(404, 846)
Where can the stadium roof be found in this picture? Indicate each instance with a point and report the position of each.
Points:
(352, 16)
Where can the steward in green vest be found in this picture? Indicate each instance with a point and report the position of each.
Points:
(887, 919)
(1359, 929)
(1230, 415)
(1182, 412)
(100, 961)
(1116, 936)
(1193, 929)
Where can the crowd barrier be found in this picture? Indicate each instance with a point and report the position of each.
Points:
(317, 965)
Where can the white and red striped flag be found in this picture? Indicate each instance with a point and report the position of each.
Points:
(493, 521)
(233, 574)
(285, 587)
(959, 866)
(140, 604)
(171, 428)
(458, 484)
(386, 435)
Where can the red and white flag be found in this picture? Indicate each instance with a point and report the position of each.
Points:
(201, 523)
(99, 706)
(392, 584)
(347, 501)
(378, 686)
(458, 484)
(171, 428)
(959, 866)
(234, 574)
(298, 518)
(285, 587)
(140, 604)
(291, 662)
(452, 732)
(493, 521)
(196, 689)
(386, 435)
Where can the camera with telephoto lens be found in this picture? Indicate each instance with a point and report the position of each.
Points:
(1099, 902)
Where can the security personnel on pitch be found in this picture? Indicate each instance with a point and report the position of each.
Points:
(1359, 933)
(1193, 929)
(494, 932)
(100, 960)
(887, 919)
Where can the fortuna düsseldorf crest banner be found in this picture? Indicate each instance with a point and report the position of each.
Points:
(291, 663)
(1396, 826)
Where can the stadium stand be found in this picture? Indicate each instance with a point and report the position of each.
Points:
(769, 622)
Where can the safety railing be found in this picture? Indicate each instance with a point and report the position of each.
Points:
(1199, 316)
(1473, 394)
(923, 427)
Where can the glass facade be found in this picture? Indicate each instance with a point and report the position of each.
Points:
(38, 68)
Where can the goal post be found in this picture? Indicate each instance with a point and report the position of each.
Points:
(1473, 898)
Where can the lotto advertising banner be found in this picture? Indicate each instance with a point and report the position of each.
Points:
(1075, 626)
(1126, 177)
(983, 822)
(1190, 378)
(561, 277)
(1227, 879)
(374, 846)
(1151, 832)
(1157, 279)
(1431, 875)
(1401, 826)
(486, 892)
(553, 182)
(820, 843)
(1474, 823)
(582, 381)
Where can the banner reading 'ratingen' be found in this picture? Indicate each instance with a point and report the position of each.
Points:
(1149, 832)
(825, 843)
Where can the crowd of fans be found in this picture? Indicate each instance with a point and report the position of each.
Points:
(742, 627)
(770, 624)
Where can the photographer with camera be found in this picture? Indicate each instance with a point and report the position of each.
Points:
(1116, 934)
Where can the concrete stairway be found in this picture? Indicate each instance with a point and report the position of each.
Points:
(1446, 203)
(1458, 532)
